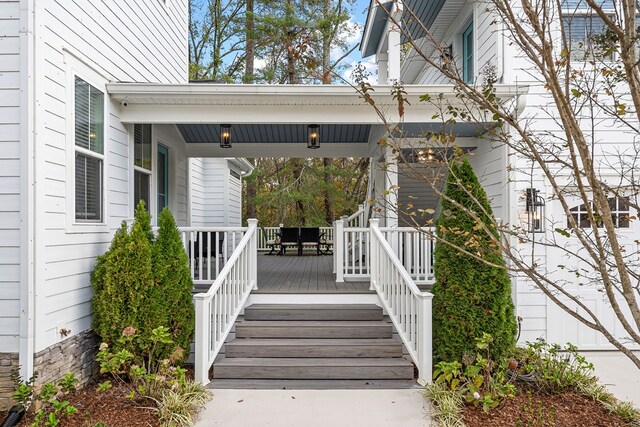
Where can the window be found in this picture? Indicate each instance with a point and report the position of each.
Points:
(163, 178)
(467, 54)
(142, 164)
(619, 213)
(89, 151)
(582, 34)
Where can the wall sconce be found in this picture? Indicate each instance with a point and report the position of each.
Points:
(535, 211)
(446, 56)
(313, 140)
(225, 136)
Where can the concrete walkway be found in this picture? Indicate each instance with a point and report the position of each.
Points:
(315, 408)
(617, 373)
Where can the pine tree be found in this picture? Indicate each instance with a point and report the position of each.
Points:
(471, 297)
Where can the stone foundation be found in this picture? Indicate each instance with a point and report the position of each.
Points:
(8, 362)
(76, 354)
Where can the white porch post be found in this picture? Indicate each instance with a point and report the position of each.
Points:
(382, 59)
(253, 224)
(203, 330)
(391, 188)
(338, 239)
(425, 331)
(393, 42)
(373, 254)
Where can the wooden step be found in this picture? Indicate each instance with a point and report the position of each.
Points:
(274, 384)
(313, 329)
(313, 312)
(314, 368)
(304, 347)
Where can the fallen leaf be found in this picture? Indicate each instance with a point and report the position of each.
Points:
(241, 400)
(293, 397)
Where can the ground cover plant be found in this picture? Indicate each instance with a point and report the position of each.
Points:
(541, 385)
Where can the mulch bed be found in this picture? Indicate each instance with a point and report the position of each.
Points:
(111, 408)
(531, 408)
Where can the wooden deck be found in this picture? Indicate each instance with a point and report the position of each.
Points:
(306, 274)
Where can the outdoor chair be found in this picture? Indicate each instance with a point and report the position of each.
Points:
(326, 245)
(271, 243)
(216, 249)
(310, 238)
(289, 236)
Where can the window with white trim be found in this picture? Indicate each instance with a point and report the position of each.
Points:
(619, 213)
(89, 152)
(142, 165)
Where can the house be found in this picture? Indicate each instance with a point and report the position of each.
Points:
(97, 113)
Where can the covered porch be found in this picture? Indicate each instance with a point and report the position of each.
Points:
(372, 257)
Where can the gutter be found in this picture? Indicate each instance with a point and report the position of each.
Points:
(243, 164)
(27, 186)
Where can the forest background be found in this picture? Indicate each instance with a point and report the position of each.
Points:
(285, 42)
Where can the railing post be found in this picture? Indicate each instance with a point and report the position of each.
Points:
(335, 245)
(425, 349)
(202, 337)
(373, 253)
(253, 247)
(338, 240)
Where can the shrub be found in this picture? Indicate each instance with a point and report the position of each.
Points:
(471, 296)
(479, 380)
(143, 283)
(122, 280)
(173, 278)
(555, 369)
(155, 379)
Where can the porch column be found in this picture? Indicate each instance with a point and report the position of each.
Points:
(391, 188)
(393, 42)
(382, 59)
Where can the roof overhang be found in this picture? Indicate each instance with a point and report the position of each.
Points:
(265, 104)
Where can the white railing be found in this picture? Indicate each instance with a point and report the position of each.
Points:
(270, 233)
(209, 249)
(358, 218)
(412, 246)
(409, 309)
(219, 307)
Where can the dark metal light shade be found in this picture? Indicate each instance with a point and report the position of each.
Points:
(225, 136)
(313, 140)
(535, 211)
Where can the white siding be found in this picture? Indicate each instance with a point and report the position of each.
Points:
(235, 199)
(451, 23)
(489, 164)
(122, 41)
(9, 175)
(416, 191)
(209, 190)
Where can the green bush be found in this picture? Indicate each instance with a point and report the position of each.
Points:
(173, 278)
(144, 283)
(122, 280)
(471, 297)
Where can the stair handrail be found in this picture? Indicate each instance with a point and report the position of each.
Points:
(219, 307)
(407, 306)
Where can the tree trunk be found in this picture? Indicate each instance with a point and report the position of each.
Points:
(328, 197)
(250, 44)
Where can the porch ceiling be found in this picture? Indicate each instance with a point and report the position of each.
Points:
(271, 120)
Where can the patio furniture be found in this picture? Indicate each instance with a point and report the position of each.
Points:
(289, 236)
(309, 238)
(215, 249)
(326, 246)
(271, 243)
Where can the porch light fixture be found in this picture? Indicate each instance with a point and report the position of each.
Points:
(314, 136)
(535, 211)
(225, 136)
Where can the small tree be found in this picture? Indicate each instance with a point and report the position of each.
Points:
(472, 293)
(173, 281)
(121, 280)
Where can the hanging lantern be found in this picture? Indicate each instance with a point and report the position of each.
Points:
(313, 140)
(225, 136)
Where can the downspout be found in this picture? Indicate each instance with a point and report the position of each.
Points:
(27, 187)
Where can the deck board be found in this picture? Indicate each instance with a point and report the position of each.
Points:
(306, 274)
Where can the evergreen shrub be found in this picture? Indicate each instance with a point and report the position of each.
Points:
(470, 297)
(143, 283)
